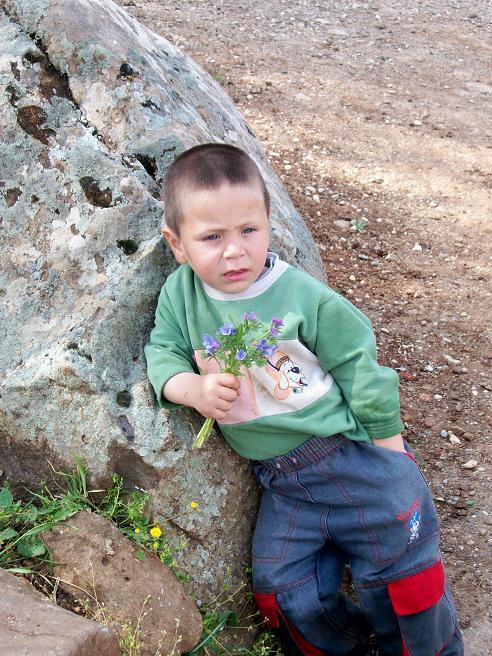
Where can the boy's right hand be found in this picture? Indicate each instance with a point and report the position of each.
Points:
(218, 393)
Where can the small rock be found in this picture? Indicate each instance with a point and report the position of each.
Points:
(417, 247)
(443, 433)
(451, 360)
(256, 90)
(342, 224)
(459, 370)
(454, 439)
(471, 464)
(426, 398)
(392, 257)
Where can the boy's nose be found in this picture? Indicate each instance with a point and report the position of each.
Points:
(232, 250)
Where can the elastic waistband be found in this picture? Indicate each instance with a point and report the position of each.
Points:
(308, 453)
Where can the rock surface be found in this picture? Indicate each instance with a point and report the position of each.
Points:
(31, 624)
(93, 108)
(92, 555)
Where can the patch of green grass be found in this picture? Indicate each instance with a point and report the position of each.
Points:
(217, 75)
(21, 522)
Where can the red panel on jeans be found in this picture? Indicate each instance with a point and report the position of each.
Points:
(416, 593)
(267, 603)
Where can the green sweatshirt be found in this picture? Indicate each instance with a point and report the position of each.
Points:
(323, 379)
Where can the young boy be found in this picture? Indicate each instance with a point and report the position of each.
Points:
(320, 421)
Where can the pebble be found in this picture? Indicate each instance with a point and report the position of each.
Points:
(417, 247)
(451, 360)
(342, 224)
(454, 439)
(416, 123)
(470, 464)
(443, 433)
(392, 257)
(426, 398)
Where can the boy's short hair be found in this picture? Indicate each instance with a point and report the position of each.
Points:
(207, 166)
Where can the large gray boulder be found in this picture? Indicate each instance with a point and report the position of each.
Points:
(93, 108)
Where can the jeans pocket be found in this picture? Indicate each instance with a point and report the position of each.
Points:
(274, 528)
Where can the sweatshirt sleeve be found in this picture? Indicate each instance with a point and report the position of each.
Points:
(346, 347)
(167, 352)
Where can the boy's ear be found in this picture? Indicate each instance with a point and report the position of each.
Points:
(175, 245)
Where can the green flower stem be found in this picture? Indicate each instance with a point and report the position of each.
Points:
(205, 431)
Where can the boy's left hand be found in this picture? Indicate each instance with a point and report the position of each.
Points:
(394, 443)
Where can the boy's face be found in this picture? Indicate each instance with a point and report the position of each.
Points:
(224, 235)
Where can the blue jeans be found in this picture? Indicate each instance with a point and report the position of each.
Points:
(333, 501)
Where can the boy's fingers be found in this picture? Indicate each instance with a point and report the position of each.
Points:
(229, 380)
(227, 394)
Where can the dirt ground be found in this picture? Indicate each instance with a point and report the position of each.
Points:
(378, 118)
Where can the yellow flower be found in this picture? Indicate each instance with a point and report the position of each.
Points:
(155, 545)
(137, 530)
(155, 532)
(194, 505)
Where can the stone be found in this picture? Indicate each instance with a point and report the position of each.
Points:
(93, 109)
(342, 224)
(91, 554)
(31, 624)
(470, 464)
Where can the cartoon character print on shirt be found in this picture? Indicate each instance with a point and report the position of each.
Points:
(292, 380)
(287, 375)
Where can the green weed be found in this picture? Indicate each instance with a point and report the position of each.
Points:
(222, 626)
(22, 522)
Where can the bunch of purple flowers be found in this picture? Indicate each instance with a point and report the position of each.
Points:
(249, 344)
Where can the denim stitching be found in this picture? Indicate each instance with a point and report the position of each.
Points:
(382, 582)
(286, 541)
(360, 514)
(287, 586)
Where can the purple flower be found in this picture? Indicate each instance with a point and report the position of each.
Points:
(277, 322)
(269, 350)
(264, 347)
(227, 329)
(210, 344)
(249, 316)
(273, 332)
(241, 354)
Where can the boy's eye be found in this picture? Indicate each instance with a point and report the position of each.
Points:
(248, 230)
(212, 237)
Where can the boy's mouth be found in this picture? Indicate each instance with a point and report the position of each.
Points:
(236, 274)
